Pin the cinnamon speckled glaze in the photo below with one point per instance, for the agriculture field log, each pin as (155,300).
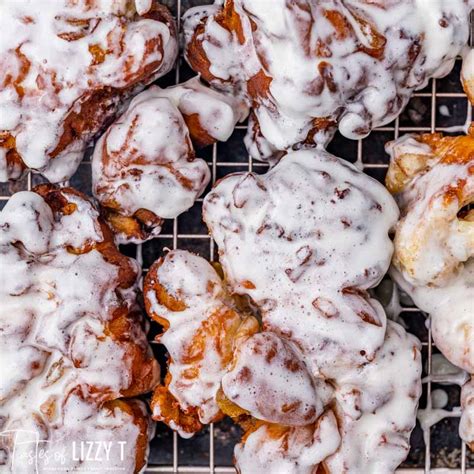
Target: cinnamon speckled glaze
(284,338)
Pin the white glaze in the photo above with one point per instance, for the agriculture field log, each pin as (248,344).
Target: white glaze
(63,74)
(40,449)
(293,239)
(377,406)
(346,74)
(54,339)
(218,113)
(145,160)
(388,294)
(297,450)
(444,372)
(439,398)
(270,381)
(192,280)
(434,249)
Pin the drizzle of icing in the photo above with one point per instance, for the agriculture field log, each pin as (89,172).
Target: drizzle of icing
(466,425)
(68,65)
(307,67)
(388,294)
(185,294)
(144,167)
(71,334)
(444,372)
(439,398)
(431,177)
(431,416)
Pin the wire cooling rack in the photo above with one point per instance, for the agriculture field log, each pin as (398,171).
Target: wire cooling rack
(441,106)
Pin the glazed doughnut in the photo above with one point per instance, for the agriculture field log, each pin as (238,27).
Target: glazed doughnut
(68,66)
(72,339)
(288,450)
(305,242)
(377,407)
(307,67)
(144,167)
(432,179)
(186,296)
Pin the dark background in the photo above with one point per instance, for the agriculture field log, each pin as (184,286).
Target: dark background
(440,105)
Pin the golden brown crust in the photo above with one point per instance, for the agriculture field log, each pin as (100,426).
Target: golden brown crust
(171,413)
(124,323)
(135,410)
(198,134)
(14,163)
(136,227)
(220,328)
(442,149)
(81,113)
(228,19)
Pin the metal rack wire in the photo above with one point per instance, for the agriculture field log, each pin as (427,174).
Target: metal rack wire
(440,107)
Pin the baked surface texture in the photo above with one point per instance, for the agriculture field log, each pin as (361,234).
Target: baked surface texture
(68,65)
(308,68)
(432,179)
(144,167)
(73,340)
